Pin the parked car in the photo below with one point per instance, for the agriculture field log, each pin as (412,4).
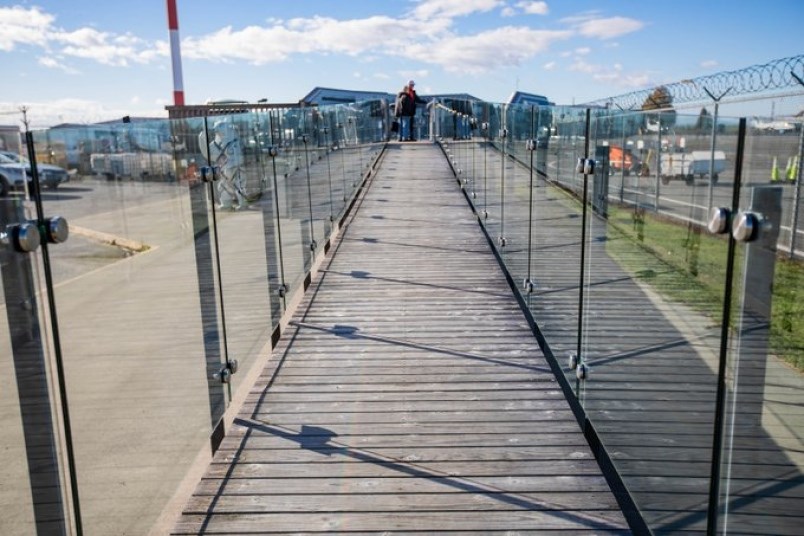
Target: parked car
(15,170)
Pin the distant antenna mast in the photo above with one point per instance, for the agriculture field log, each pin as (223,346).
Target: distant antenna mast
(175,53)
(24,112)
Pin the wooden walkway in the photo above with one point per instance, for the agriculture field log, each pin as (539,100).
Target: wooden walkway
(408,395)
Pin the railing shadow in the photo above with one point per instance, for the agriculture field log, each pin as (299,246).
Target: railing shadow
(351,332)
(323,441)
(366,275)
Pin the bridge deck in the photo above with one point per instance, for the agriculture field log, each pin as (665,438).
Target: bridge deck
(408,394)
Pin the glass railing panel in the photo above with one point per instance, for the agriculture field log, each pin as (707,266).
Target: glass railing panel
(33,456)
(140,335)
(343,180)
(17,517)
(516,196)
(363,133)
(787,169)
(372,113)
(554,231)
(291,209)
(441,120)
(465,147)
(482,161)
(651,380)
(762,468)
(352,149)
(333,160)
(265,146)
(317,176)
(240,224)
(300,225)
(493,216)
(567,141)
(626,154)
(466,132)
(473,170)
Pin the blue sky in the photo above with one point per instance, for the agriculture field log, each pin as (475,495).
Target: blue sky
(88,60)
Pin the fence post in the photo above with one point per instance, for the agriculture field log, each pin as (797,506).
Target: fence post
(712,146)
(797,197)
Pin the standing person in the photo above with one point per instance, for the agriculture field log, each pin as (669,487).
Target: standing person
(409,111)
(399,112)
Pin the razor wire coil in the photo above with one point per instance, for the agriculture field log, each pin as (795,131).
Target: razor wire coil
(785,73)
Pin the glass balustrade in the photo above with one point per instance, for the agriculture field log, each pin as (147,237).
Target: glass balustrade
(187,240)
(648,310)
(656,253)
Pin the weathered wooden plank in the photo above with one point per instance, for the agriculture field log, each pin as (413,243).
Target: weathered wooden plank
(299,430)
(444,502)
(483,418)
(506,452)
(528,397)
(358,463)
(405,437)
(274,407)
(432,522)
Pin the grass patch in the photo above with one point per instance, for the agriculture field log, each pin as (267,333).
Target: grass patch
(688,265)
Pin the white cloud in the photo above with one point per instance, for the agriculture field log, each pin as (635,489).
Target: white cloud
(483,52)
(35,27)
(82,111)
(534,8)
(582,66)
(414,75)
(709,64)
(549,66)
(21,26)
(430,9)
(110,49)
(53,63)
(48,62)
(606,28)
(630,81)
(261,45)
(528,7)
(582,51)
(381,76)
(614,74)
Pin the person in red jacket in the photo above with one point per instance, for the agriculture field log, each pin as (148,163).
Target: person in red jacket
(406,101)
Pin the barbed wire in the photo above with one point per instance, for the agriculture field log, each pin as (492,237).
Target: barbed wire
(785,73)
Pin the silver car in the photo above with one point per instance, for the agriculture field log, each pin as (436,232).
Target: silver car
(15,170)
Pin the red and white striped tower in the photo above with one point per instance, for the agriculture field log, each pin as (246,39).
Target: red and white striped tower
(175,53)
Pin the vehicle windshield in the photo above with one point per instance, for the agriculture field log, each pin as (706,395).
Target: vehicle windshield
(7,157)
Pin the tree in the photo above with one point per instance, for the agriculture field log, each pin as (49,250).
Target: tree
(662,101)
(704,121)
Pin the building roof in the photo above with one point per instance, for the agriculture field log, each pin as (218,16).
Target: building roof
(328,95)
(521,97)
